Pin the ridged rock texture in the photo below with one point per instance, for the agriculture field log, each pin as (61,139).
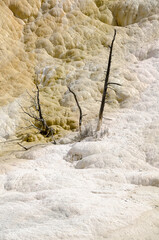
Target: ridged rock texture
(105,186)
(67,44)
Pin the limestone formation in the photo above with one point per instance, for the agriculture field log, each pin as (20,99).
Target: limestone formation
(67,43)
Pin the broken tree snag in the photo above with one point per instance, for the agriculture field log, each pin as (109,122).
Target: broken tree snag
(35,116)
(45,130)
(38,103)
(105,85)
(45,127)
(79,108)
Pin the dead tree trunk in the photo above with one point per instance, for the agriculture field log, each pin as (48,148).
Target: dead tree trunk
(105,85)
(44,127)
(79,108)
(36,119)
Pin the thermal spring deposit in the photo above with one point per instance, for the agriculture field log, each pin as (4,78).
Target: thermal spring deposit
(62,177)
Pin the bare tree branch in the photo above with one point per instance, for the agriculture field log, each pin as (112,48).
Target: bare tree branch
(112,83)
(30,95)
(38,102)
(22,146)
(79,108)
(34,112)
(105,85)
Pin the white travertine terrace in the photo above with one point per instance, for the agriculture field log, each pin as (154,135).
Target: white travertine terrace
(66,42)
(96,189)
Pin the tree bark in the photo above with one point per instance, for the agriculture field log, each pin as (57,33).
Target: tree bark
(80,110)
(105,85)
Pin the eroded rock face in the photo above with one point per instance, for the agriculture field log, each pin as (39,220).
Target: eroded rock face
(130,12)
(23,9)
(15,63)
(67,43)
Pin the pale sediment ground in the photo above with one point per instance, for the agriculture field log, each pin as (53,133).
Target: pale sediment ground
(96,189)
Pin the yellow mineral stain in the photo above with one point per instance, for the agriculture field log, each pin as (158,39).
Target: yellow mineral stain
(67,44)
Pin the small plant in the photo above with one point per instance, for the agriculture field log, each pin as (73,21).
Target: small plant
(87,131)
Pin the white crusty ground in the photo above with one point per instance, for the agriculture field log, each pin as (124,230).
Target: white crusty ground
(100,188)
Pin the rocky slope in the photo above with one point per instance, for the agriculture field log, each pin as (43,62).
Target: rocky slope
(105,186)
(67,43)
